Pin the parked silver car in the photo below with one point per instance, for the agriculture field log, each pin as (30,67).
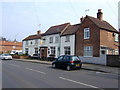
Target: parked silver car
(5,57)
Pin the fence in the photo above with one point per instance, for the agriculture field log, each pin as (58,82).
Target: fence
(113,60)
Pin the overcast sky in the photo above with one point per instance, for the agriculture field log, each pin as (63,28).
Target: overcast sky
(20,19)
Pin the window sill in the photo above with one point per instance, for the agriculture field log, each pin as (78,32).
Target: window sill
(86,38)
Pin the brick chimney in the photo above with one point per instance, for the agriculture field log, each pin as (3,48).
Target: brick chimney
(38,32)
(100,14)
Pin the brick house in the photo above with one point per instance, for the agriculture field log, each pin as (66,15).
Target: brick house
(96,37)
(8,46)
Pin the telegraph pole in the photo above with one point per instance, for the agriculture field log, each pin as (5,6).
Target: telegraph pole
(119,41)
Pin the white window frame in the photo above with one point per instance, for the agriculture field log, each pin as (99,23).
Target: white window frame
(53,50)
(67,50)
(86,33)
(56,39)
(26,50)
(67,38)
(36,50)
(88,51)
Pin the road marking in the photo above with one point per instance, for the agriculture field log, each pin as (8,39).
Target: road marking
(36,71)
(80,83)
(14,65)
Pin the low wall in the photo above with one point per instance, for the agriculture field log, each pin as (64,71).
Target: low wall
(113,60)
(20,57)
(95,60)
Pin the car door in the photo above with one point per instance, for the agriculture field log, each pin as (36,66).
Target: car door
(59,61)
(66,60)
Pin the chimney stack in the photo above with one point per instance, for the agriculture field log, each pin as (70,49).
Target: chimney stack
(81,19)
(38,32)
(100,14)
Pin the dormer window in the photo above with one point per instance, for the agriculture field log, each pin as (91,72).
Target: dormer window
(86,33)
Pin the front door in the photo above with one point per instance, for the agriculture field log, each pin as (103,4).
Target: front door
(43,52)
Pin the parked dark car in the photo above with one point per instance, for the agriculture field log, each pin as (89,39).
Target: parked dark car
(68,62)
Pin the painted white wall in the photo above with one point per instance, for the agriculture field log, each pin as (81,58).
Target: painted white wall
(71,44)
(95,60)
(54,44)
(31,47)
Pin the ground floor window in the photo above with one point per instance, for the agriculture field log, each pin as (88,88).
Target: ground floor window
(26,50)
(52,50)
(36,50)
(88,51)
(67,50)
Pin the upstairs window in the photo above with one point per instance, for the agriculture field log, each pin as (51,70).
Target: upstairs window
(51,40)
(56,39)
(36,41)
(67,39)
(26,42)
(116,37)
(86,33)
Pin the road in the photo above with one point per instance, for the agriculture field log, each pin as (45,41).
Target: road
(17,74)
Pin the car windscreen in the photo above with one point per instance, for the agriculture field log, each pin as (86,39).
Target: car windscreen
(6,54)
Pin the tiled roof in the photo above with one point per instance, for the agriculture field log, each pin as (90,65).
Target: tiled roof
(102,24)
(71,29)
(56,29)
(31,37)
(10,43)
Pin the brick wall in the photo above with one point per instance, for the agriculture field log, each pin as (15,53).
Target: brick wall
(93,41)
(113,60)
(108,39)
(7,46)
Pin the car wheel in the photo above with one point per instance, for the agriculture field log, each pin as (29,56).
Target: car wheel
(53,65)
(68,68)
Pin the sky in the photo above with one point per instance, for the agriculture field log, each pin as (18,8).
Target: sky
(21,18)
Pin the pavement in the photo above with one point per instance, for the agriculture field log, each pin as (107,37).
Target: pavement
(85,66)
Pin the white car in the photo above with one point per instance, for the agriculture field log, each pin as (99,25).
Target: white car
(5,56)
